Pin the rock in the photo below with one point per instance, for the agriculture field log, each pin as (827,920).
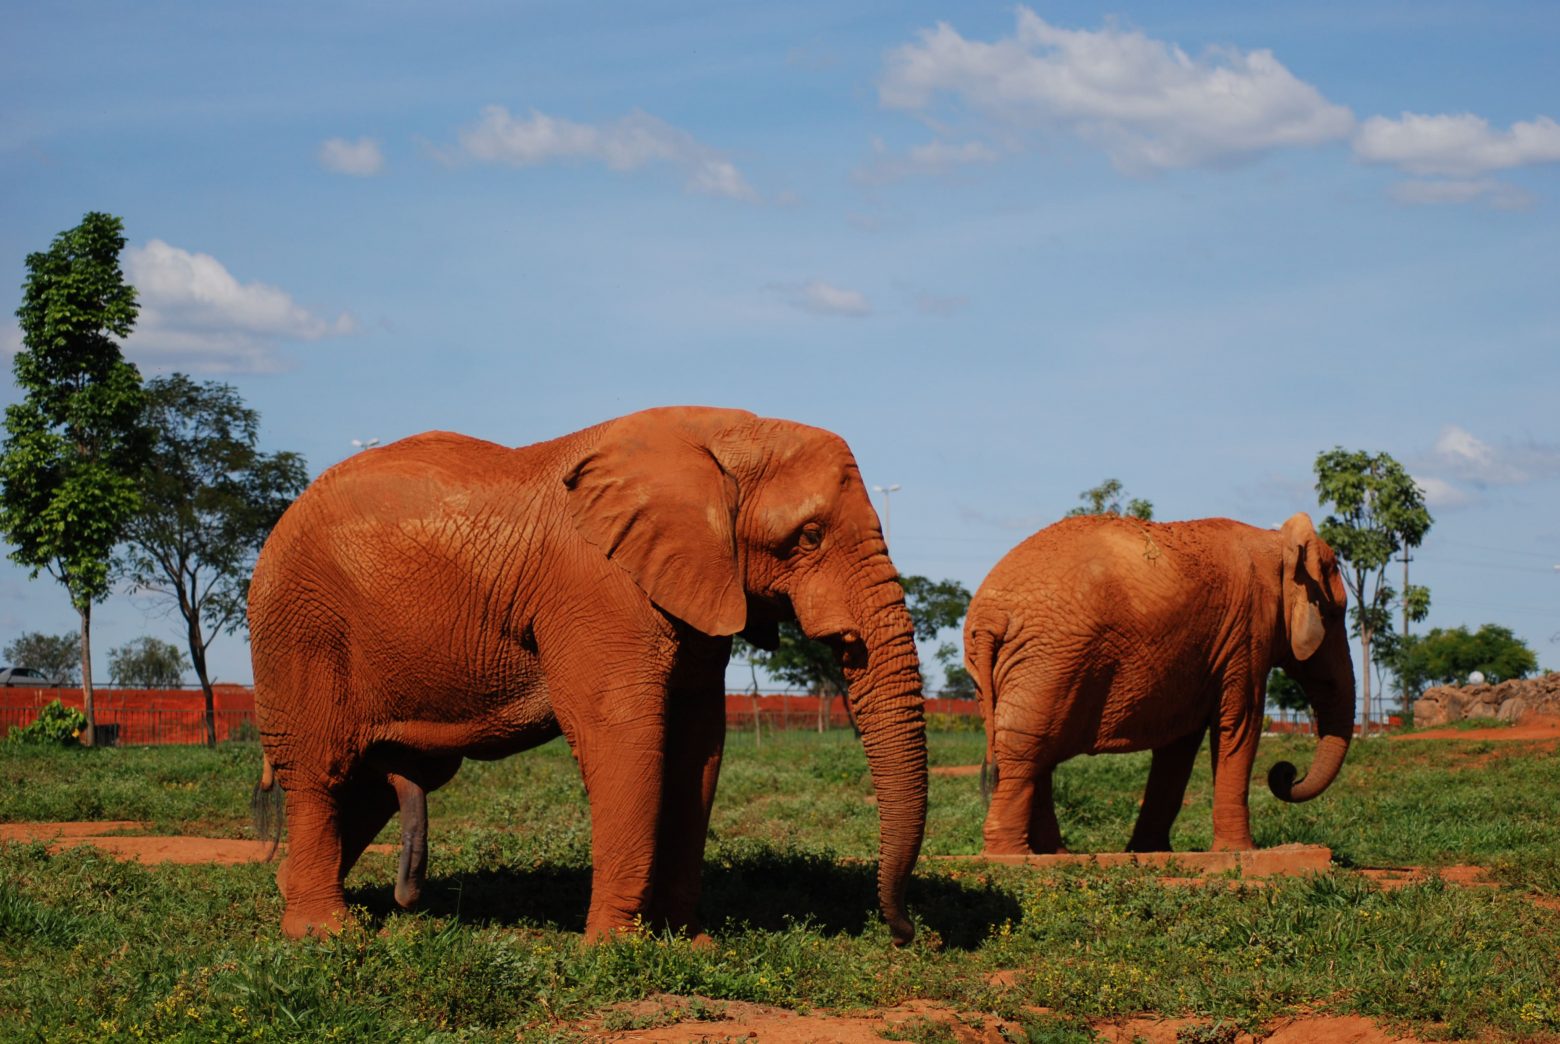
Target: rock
(1506,701)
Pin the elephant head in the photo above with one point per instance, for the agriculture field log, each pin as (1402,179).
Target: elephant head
(731,523)
(1315,653)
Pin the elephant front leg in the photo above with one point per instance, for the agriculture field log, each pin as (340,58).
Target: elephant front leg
(1167,779)
(1234,751)
(622,759)
(695,737)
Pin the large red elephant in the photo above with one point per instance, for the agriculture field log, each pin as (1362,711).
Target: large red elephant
(443,597)
(1103,634)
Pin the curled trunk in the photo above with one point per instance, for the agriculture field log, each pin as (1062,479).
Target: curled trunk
(1334,727)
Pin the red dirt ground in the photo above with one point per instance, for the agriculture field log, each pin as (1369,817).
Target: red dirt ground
(116,838)
(1533,729)
(738,1020)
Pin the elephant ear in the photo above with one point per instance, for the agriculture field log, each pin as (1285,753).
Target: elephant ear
(654,499)
(1304,585)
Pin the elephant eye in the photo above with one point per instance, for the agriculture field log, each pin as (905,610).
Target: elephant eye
(810,537)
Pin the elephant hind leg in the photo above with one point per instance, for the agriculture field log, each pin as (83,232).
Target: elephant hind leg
(1166,789)
(1022,816)
(310,877)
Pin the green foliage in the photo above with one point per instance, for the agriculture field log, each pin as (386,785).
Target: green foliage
(54,654)
(1377,511)
(74,443)
(1447,656)
(56,724)
(1106,499)
(147,663)
(208,498)
(1284,692)
(934,606)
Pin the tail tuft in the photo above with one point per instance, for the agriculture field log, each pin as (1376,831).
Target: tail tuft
(267,806)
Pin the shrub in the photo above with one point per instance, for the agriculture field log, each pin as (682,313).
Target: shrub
(56,723)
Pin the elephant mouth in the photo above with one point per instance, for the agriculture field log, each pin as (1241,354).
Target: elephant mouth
(847,647)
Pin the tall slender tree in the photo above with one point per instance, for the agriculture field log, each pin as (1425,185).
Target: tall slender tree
(74,444)
(208,498)
(1377,511)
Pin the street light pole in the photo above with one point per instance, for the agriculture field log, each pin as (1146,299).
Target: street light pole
(886,490)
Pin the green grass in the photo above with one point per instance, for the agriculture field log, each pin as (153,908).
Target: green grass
(94,949)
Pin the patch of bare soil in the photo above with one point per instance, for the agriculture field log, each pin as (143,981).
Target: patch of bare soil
(1392,877)
(669,1018)
(955,770)
(1528,730)
(113,837)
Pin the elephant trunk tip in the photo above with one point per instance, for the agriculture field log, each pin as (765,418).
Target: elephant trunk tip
(1281,780)
(901,930)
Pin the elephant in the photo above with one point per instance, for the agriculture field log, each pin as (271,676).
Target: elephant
(444,597)
(1104,634)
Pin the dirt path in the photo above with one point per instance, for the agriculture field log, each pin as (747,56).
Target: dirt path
(671,1018)
(119,839)
(1544,730)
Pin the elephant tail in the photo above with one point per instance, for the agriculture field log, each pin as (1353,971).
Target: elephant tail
(982,637)
(266,805)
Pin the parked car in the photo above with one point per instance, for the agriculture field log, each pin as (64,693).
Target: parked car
(29,677)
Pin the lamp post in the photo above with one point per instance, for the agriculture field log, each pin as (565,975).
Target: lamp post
(886,490)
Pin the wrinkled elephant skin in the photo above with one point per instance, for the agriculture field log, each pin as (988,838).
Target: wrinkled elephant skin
(1104,634)
(443,598)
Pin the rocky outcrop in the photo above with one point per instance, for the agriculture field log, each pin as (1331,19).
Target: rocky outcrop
(1508,701)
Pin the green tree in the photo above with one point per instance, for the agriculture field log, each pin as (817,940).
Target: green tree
(1447,656)
(209,498)
(1105,499)
(1285,693)
(74,444)
(147,663)
(1377,511)
(57,655)
(934,606)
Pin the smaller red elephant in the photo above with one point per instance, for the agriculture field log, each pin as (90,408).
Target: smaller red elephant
(1104,634)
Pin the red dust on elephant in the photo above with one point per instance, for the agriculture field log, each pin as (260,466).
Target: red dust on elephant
(444,597)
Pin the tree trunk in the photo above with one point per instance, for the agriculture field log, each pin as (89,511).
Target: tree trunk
(1365,633)
(86,674)
(198,659)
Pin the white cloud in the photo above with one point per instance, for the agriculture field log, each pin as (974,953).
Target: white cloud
(360,158)
(1439,493)
(196,316)
(823,298)
(935,157)
(1461,459)
(634,141)
(1460,146)
(1497,194)
(1147,102)
(10,341)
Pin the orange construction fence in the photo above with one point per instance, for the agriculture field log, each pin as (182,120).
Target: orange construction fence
(138,717)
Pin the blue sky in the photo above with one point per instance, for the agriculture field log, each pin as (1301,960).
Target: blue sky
(1007,252)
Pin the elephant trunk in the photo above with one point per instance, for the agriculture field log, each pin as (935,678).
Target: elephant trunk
(885,692)
(1335,727)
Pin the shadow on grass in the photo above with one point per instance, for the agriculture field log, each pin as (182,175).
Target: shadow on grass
(769,892)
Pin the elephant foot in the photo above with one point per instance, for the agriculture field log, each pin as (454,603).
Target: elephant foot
(1155,843)
(300,924)
(1234,844)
